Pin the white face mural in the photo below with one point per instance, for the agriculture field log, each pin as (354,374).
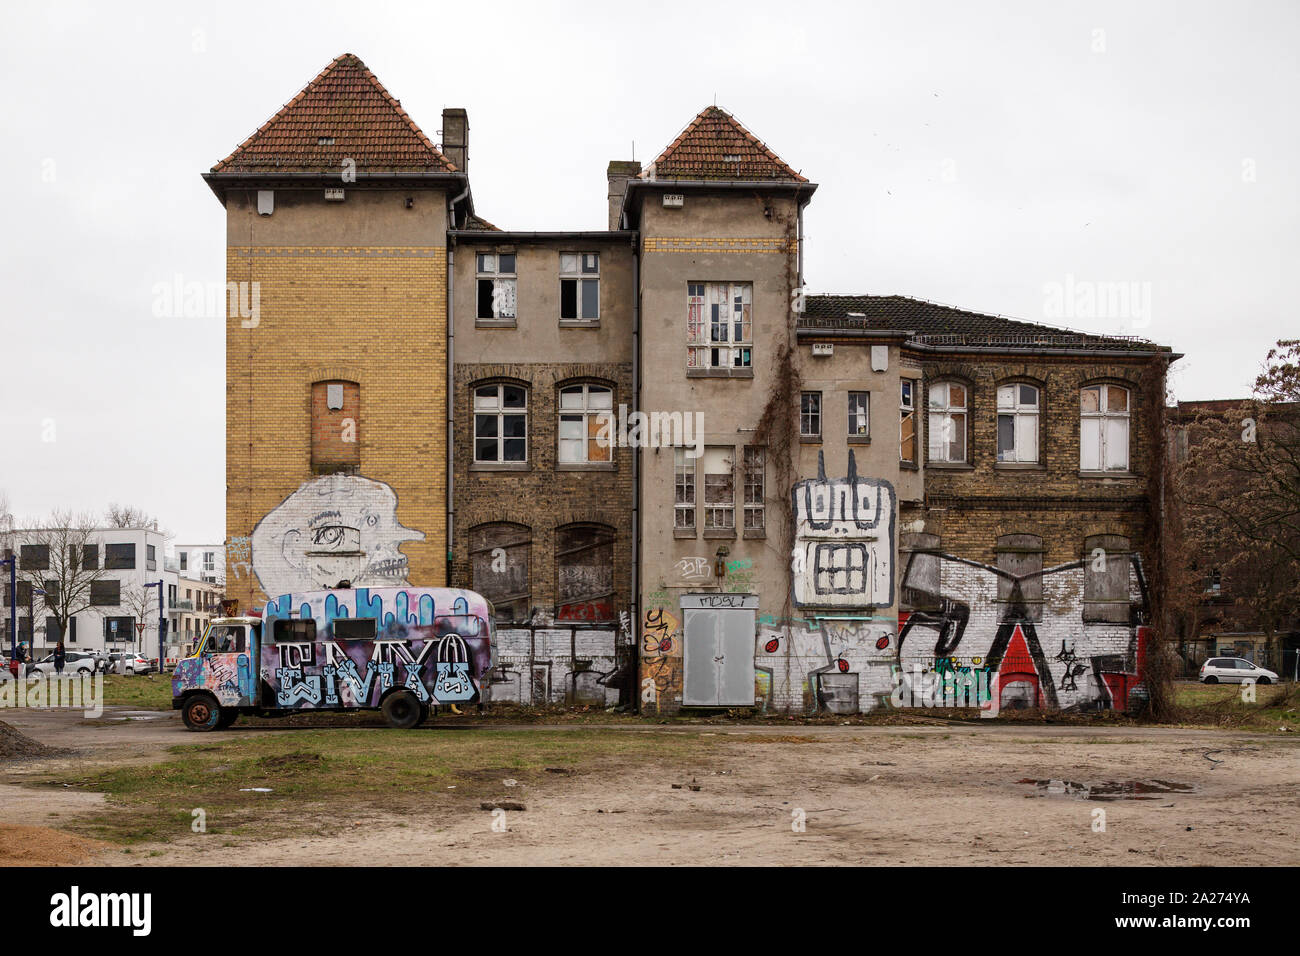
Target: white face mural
(333,528)
(844,540)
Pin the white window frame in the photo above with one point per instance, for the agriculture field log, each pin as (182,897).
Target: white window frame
(684,477)
(505,286)
(585,413)
(1111,438)
(807,417)
(941,426)
(719,513)
(719,325)
(754,479)
(574,267)
(485,406)
(1024,422)
(859,419)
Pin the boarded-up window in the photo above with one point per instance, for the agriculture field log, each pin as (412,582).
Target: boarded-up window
(499,559)
(335,427)
(1020,592)
(1106,578)
(584,573)
(586,424)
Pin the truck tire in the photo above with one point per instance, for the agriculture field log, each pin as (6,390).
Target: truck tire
(402,710)
(201,712)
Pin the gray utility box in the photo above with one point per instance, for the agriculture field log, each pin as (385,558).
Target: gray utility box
(718,649)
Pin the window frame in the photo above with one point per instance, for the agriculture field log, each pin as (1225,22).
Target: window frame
(907,412)
(494,275)
(500,413)
(805,414)
(588,414)
(579,278)
(684,485)
(858,436)
(1018,411)
(945,412)
(1104,416)
(722,509)
(704,320)
(754,492)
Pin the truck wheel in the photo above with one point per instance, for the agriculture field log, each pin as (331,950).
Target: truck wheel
(201,712)
(402,710)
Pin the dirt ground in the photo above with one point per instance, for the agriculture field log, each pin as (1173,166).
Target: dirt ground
(983,794)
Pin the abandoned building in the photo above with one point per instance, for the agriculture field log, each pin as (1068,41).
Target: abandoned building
(682,480)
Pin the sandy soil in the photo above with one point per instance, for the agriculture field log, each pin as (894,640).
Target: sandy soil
(874,795)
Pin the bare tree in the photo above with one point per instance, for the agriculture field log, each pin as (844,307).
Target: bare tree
(54,565)
(129,516)
(1239,491)
(142,603)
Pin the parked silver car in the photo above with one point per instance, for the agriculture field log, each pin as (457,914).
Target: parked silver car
(1234,670)
(75,662)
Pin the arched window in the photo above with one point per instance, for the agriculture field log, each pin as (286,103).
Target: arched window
(1103,428)
(499,560)
(500,423)
(584,573)
(1018,423)
(584,411)
(947,422)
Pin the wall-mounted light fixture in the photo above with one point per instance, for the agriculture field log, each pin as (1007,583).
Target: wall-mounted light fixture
(720,562)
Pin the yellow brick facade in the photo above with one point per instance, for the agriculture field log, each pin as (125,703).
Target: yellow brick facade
(375,315)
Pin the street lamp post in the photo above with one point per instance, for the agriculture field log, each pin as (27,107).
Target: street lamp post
(162,625)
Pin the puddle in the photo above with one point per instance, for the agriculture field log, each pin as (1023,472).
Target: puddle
(1111,789)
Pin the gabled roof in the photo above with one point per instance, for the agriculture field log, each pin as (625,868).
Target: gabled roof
(931,324)
(344,113)
(715,146)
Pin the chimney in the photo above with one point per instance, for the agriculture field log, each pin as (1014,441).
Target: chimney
(618,173)
(455,138)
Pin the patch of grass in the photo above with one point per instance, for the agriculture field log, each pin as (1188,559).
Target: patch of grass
(139,691)
(324,775)
(1276,706)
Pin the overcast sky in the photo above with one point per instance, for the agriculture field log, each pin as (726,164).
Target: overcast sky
(986,155)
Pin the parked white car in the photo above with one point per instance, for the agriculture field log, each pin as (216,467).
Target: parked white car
(129,664)
(1234,670)
(76,662)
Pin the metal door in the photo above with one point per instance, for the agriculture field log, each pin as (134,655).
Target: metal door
(718,650)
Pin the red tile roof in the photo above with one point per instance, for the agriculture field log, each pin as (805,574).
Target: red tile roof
(344,113)
(716,146)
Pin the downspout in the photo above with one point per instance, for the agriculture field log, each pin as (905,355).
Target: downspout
(451,384)
(636,473)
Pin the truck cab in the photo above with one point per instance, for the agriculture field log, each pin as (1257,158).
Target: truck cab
(222,671)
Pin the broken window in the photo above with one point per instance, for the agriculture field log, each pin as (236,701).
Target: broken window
(684,498)
(719,488)
(497,286)
(1106,578)
(947,422)
(579,286)
(755,475)
(810,415)
(1020,590)
(860,414)
(586,424)
(921,574)
(1017,423)
(335,423)
(584,572)
(719,325)
(500,423)
(1103,428)
(907,422)
(499,560)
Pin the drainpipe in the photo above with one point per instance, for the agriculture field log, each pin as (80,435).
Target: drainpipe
(636,472)
(451,383)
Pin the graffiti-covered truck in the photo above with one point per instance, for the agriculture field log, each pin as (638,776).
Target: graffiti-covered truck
(399,650)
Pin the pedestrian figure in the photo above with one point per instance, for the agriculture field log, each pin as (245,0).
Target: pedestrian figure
(60,655)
